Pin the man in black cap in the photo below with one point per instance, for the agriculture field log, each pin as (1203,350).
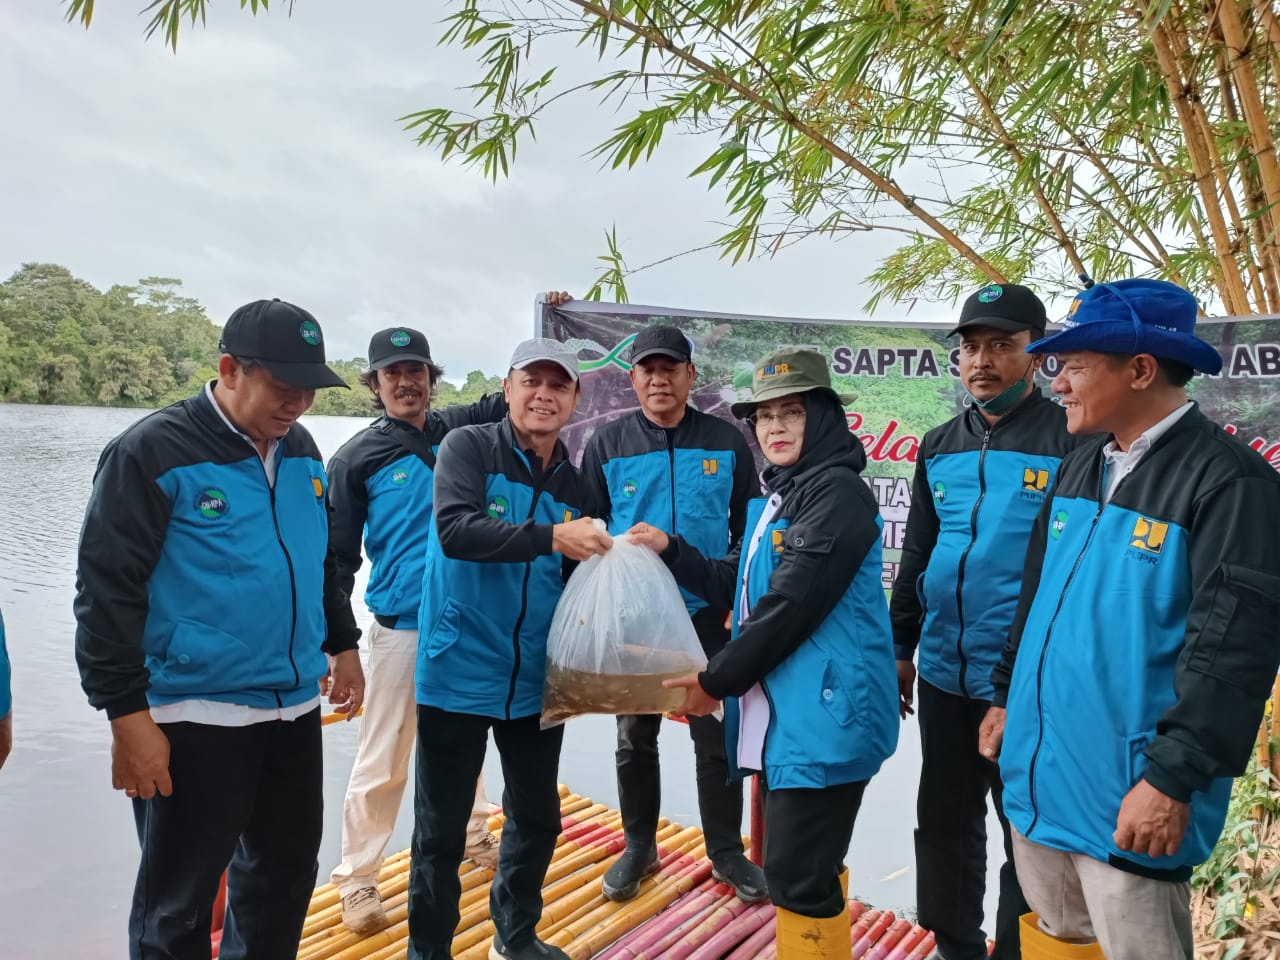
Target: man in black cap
(209,619)
(380,491)
(980,478)
(672,466)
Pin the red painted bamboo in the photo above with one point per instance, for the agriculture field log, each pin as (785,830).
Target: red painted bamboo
(734,932)
(754,944)
(712,922)
(908,943)
(876,931)
(923,948)
(880,950)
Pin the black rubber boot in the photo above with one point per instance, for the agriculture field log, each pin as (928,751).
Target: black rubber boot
(639,796)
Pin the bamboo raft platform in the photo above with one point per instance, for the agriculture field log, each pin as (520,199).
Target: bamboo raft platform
(681,913)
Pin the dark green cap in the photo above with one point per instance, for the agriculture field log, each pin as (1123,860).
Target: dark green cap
(785,372)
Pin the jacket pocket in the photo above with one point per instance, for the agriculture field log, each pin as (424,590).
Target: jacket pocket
(1243,608)
(838,693)
(444,632)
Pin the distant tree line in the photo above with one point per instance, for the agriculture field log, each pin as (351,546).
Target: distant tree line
(63,341)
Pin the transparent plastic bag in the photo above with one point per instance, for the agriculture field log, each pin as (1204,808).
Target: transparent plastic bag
(621,628)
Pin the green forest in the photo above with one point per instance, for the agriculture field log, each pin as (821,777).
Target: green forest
(63,341)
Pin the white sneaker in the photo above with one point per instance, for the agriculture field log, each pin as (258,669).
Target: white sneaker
(484,851)
(362,911)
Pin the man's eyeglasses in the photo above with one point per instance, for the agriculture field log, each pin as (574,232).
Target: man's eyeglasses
(787,418)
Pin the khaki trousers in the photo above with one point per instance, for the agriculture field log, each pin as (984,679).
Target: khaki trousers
(381,771)
(1080,899)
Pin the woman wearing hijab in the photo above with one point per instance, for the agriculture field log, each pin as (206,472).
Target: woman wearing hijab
(808,679)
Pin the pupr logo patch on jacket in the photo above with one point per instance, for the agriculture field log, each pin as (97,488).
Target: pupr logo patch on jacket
(317,485)
(776,541)
(1035,481)
(1148,538)
(710,466)
(212,503)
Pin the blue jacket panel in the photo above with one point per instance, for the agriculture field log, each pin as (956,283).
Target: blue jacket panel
(6,691)
(975,495)
(395,537)
(229,530)
(986,504)
(693,480)
(197,579)
(491,581)
(834,700)
(381,493)
(1144,644)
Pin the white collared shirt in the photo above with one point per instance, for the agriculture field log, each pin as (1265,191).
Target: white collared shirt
(1120,463)
(214,712)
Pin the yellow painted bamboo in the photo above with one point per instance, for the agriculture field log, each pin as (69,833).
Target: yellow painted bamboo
(1275,734)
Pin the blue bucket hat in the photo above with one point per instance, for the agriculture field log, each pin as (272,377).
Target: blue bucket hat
(1131,317)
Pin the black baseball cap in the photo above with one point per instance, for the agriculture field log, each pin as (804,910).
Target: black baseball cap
(395,344)
(667,341)
(283,338)
(1005,306)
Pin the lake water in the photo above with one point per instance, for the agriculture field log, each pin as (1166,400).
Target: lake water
(67,842)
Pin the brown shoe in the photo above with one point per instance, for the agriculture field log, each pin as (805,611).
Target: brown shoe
(484,851)
(362,911)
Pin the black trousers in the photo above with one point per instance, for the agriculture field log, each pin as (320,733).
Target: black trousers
(640,785)
(806,838)
(951,841)
(247,800)
(451,750)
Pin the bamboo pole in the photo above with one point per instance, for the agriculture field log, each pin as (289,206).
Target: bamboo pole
(1275,734)
(1263,144)
(1253,196)
(1180,92)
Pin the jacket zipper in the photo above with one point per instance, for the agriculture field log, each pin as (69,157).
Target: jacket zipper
(524,595)
(293,587)
(964,557)
(671,472)
(1044,650)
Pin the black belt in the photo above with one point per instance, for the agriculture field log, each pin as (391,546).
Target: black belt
(388,622)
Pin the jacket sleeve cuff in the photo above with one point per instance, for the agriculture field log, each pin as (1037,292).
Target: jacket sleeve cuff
(708,684)
(1000,697)
(133,703)
(904,651)
(335,645)
(543,538)
(1167,784)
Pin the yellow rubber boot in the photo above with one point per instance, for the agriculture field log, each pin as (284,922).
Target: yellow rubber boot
(1038,945)
(844,884)
(814,938)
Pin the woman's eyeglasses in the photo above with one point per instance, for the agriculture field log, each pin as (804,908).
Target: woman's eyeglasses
(787,418)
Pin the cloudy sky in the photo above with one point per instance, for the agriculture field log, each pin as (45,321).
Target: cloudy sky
(264,159)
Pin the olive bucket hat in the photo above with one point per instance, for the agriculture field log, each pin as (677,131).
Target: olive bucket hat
(785,372)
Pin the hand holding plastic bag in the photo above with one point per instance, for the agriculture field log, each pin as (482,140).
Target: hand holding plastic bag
(621,628)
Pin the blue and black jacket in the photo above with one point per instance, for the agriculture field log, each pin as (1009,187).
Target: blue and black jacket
(817,638)
(6,690)
(694,479)
(380,490)
(1145,643)
(199,580)
(492,581)
(974,498)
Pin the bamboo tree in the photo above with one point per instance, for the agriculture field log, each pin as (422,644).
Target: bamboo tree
(988,138)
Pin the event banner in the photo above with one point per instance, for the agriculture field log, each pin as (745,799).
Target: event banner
(905,378)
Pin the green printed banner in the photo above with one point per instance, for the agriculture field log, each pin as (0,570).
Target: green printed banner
(905,379)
